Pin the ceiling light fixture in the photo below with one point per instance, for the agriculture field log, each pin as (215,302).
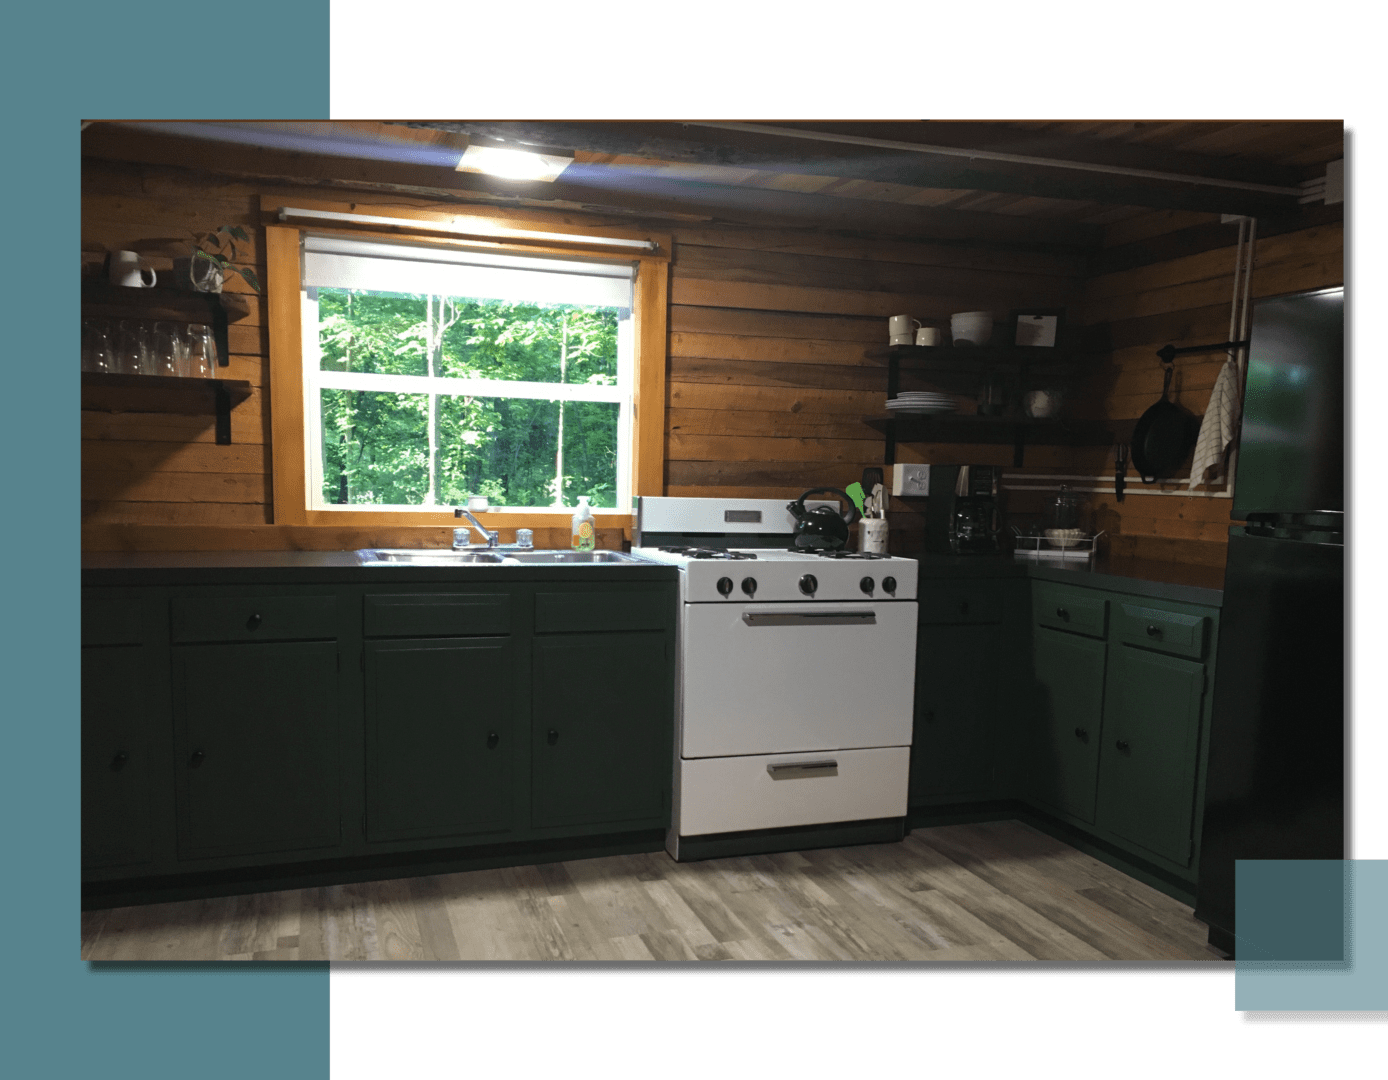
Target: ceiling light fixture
(510,163)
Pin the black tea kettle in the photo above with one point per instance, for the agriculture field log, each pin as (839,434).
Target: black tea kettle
(823,528)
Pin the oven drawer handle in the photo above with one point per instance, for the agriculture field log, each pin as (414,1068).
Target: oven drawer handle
(814,618)
(792,770)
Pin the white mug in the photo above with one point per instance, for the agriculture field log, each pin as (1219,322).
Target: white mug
(872,536)
(128,269)
(928,335)
(901,339)
(898,325)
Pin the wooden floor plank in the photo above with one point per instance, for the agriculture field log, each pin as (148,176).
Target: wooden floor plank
(988,892)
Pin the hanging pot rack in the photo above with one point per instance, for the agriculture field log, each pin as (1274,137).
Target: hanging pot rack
(1168,353)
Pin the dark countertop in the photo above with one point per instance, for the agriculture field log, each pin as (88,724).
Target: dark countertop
(1185,582)
(118,568)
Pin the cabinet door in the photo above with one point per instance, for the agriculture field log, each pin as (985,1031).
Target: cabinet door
(256,748)
(602,729)
(1148,760)
(1069,672)
(439,737)
(956,710)
(115,757)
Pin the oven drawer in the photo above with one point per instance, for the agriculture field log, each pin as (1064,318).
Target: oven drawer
(774,791)
(791,678)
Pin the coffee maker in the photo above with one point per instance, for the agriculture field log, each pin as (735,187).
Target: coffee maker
(963,515)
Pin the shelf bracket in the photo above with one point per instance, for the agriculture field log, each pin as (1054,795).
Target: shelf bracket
(1018,447)
(223,401)
(889,451)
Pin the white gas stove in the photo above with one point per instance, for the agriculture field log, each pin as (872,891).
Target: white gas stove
(796,679)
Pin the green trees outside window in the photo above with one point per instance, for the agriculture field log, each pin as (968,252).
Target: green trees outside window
(411,412)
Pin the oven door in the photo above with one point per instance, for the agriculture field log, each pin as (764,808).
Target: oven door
(781,678)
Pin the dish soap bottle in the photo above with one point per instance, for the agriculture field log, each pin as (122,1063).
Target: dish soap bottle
(584,531)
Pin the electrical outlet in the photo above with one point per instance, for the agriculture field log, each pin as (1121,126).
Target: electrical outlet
(910,479)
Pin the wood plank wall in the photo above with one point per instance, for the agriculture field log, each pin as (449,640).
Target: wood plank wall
(1182,300)
(767,377)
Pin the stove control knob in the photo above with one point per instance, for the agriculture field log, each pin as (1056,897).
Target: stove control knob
(889,585)
(808,584)
(725,585)
(749,586)
(866,585)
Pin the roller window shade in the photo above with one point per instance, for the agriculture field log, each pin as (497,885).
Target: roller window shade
(343,263)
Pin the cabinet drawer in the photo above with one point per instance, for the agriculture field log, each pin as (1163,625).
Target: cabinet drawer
(978,602)
(1162,630)
(438,615)
(1077,610)
(576,612)
(110,620)
(254,618)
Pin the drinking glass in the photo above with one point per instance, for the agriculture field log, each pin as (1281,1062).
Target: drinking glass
(170,350)
(133,348)
(97,352)
(202,353)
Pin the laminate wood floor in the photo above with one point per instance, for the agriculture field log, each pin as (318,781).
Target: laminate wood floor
(994,891)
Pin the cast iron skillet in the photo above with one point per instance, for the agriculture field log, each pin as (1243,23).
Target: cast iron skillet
(1162,438)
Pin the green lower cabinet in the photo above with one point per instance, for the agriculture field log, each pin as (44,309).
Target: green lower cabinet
(1148,759)
(257,748)
(1069,688)
(601,730)
(440,737)
(956,709)
(116,767)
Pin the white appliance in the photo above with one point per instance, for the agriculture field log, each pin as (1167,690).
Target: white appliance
(795,676)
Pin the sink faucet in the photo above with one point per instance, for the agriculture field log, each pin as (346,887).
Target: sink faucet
(460,535)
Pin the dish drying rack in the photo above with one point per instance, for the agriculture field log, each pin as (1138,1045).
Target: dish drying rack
(1037,548)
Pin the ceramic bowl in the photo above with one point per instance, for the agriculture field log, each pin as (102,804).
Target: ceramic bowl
(971,327)
(1064,538)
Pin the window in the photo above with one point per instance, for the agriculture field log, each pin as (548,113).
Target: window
(431,375)
(408,373)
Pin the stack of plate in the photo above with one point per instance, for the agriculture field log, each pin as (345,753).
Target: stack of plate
(920,402)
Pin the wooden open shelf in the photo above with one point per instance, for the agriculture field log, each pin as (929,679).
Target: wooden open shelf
(102,300)
(166,394)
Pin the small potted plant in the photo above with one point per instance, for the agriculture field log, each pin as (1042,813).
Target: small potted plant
(214,256)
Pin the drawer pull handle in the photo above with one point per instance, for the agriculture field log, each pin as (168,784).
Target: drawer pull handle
(195,759)
(253,623)
(1154,631)
(793,770)
(964,608)
(1122,744)
(118,762)
(1082,734)
(492,739)
(1062,613)
(552,737)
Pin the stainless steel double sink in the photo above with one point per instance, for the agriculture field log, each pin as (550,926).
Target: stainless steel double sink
(491,557)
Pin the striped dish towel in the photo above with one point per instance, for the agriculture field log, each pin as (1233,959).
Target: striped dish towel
(1218,428)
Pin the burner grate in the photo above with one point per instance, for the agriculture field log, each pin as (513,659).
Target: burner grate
(708,553)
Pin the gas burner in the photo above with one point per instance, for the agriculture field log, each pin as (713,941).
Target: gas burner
(824,553)
(708,553)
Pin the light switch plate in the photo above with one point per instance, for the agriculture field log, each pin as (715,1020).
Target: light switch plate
(910,479)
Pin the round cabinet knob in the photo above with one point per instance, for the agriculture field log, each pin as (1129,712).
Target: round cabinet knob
(1122,744)
(118,762)
(1154,631)
(749,586)
(808,584)
(866,585)
(725,585)
(253,623)
(1082,734)
(195,759)
(1061,613)
(492,739)
(552,737)
(889,586)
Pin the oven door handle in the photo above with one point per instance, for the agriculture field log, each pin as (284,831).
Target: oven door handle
(790,770)
(809,618)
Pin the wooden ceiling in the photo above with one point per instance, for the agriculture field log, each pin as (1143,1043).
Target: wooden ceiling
(1037,183)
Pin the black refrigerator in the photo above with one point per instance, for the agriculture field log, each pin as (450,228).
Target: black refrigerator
(1275,786)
